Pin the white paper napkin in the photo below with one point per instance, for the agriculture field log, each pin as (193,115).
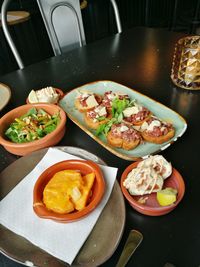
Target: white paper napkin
(60,240)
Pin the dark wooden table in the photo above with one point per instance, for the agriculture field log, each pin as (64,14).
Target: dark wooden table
(141,59)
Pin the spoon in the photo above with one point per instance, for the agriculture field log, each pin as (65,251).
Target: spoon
(133,241)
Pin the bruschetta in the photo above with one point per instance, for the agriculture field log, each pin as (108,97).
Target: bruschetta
(97,116)
(136,114)
(123,136)
(156,131)
(87,100)
(109,96)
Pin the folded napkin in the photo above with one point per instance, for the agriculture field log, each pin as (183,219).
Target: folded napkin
(62,240)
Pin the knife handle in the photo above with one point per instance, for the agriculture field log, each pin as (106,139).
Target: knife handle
(132,242)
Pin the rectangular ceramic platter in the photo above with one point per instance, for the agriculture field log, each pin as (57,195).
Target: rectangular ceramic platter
(158,109)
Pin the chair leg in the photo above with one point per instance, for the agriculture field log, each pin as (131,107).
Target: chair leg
(117,17)
(7,34)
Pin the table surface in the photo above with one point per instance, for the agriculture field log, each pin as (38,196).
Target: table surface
(139,58)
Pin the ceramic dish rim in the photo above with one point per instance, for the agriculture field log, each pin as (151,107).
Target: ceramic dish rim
(154,211)
(107,146)
(43,212)
(9,95)
(62,123)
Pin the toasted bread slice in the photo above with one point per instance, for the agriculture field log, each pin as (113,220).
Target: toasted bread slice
(91,104)
(130,145)
(121,143)
(81,108)
(91,123)
(138,123)
(158,139)
(136,115)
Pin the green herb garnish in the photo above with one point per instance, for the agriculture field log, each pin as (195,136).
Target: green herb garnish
(118,105)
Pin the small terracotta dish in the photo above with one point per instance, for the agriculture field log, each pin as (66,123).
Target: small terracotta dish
(58,91)
(85,167)
(50,139)
(151,206)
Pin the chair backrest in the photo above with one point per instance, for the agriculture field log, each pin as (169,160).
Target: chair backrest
(63,23)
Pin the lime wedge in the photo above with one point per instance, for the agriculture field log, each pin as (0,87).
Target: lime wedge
(32,97)
(166,196)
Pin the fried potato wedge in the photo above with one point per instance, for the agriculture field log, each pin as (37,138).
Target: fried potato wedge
(67,191)
(85,191)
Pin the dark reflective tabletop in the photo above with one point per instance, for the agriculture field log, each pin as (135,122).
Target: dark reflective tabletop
(139,58)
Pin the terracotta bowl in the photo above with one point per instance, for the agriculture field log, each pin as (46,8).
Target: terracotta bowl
(151,206)
(85,167)
(50,139)
(58,91)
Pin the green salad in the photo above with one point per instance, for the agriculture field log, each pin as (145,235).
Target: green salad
(118,105)
(33,125)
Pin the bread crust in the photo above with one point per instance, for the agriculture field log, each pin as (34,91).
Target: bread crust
(139,123)
(120,143)
(81,108)
(158,139)
(78,105)
(91,123)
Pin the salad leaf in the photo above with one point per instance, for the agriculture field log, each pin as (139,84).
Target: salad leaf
(32,111)
(101,118)
(100,129)
(33,125)
(105,128)
(49,128)
(118,106)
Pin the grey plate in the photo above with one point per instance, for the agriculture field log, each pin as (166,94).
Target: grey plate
(5,95)
(97,248)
